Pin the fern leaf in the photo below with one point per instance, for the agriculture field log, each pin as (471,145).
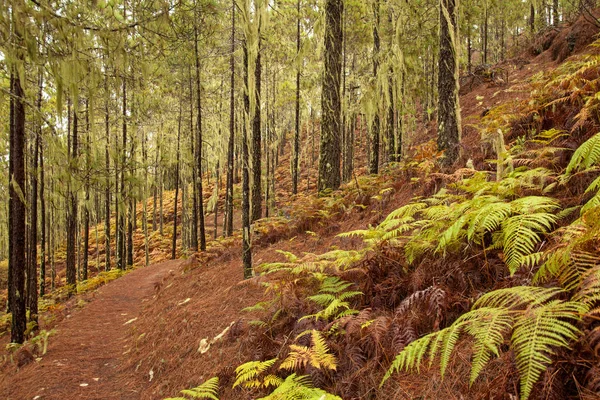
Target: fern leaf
(208,390)
(521,234)
(586,156)
(516,296)
(299,388)
(298,358)
(248,372)
(488,329)
(535,336)
(322,359)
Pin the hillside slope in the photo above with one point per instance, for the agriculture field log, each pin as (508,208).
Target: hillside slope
(422,248)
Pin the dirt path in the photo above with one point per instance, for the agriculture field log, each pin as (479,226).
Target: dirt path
(84,355)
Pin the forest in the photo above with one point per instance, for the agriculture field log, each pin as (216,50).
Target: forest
(300,199)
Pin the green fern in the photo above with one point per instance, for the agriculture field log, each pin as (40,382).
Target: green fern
(299,388)
(586,156)
(538,324)
(333,298)
(248,374)
(317,356)
(537,333)
(208,390)
(521,235)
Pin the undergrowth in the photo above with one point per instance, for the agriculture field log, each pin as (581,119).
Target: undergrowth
(501,264)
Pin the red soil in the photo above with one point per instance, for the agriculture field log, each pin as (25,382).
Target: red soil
(89,345)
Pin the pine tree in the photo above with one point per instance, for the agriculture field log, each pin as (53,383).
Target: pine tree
(449,124)
(329,159)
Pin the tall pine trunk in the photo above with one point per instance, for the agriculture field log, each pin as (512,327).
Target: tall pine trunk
(199,146)
(376,127)
(448,104)
(86,208)
(256,140)
(329,160)
(17,212)
(72,208)
(42,223)
(177,161)
(107,232)
(228,231)
(246,246)
(194,222)
(297,131)
(121,262)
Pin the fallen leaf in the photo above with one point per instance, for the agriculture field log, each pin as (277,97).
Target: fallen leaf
(184,301)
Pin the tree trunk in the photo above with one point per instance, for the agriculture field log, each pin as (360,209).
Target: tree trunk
(555,16)
(199,146)
(32,283)
(131,220)
(329,160)
(174,246)
(391,111)
(228,231)
(194,222)
(256,141)
(86,209)
(17,213)
(121,262)
(246,246)
(72,209)
(485,34)
(448,104)
(297,132)
(107,166)
(42,223)
(532,17)
(11,197)
(376,127)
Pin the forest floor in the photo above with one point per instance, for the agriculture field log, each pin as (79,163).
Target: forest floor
(85,354)
(174,324)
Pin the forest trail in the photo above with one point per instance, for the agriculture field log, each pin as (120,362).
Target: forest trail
(85,354)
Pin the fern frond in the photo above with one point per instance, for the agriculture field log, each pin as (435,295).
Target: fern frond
(317,356)
(291,257)
(208,390)
(589,290)
(516,296)
(247,374)
(489,330)
(521,234)
(586,156)
(299,388)
(535,336)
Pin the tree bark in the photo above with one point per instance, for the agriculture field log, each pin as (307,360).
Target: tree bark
(42,223)
(329,159)
(121,262)
(199,147)
(32,282)
(86,209)
(448,104)
(194,222)
(297,131)
(246,245)
(228,231)
(72,209)
(376,127)
(532,17)
(174,246)
(256,141)
(17,213)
